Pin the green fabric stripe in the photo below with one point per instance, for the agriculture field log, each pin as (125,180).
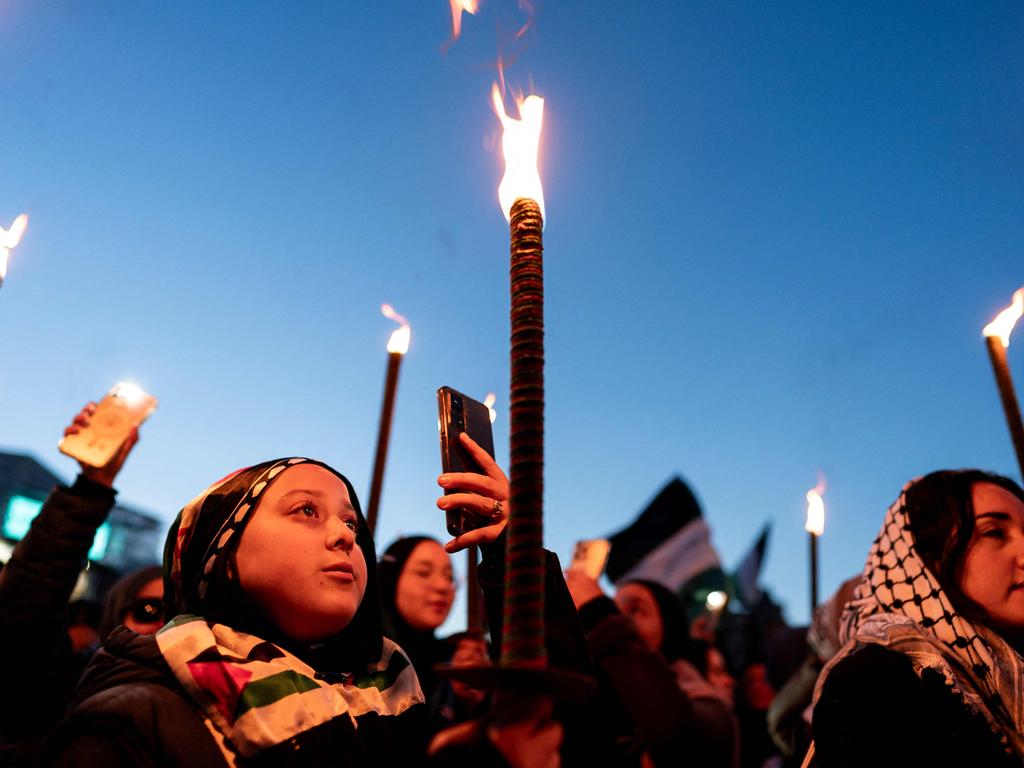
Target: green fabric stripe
(384,679)
(270,689)
(181,618)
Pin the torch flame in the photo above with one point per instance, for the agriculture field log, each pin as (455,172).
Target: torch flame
(520,141)
(399,340)
(489,402)
(1002,326)
(458,6)
(9,238)
(816,510)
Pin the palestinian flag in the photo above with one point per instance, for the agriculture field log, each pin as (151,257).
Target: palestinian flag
(670,543)
(747,577)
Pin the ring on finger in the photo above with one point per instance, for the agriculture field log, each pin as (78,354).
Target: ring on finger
(498,508)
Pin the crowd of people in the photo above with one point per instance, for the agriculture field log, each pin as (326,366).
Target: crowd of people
(272,634)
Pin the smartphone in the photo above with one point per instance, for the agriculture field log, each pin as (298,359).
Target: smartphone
(122,409)
(591,557)
(458,413)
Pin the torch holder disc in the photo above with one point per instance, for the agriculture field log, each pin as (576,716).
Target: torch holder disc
(560,684)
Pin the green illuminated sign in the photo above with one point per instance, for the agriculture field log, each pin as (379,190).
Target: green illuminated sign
(22,510)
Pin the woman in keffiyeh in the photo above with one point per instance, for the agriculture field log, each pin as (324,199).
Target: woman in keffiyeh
(275,653)
(930,672)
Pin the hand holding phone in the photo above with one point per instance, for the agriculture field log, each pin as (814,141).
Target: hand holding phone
(476,490)
(591,556)
(101,435)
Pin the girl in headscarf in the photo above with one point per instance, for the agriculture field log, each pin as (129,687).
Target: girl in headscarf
(417,589)
(274,653)
(930,672)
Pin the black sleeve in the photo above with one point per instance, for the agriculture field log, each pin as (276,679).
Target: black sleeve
(641,679)
(35,586)
(109,749)
(144,724)
(564,640)
(38,580)
(875,710)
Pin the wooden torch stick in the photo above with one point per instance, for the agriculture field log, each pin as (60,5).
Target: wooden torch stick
(523,617)
(383,436)
(475,619)
(1001,369)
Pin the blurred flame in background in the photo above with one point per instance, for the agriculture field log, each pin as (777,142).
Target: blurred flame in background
(399,340)
(816,509)
(9,238)
(458,7)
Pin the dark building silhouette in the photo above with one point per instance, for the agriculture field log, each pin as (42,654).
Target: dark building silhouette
(129,539)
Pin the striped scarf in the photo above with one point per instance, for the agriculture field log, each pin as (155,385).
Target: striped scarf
(255,694)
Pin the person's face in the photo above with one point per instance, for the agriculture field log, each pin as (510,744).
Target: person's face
(993,569)
(637,602)
(146,614)
(425,589)
(298,559)
(718,675)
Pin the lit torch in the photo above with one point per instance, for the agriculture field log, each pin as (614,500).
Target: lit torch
(398,345)
(522,201)
(815,526)
(523,666)
(9,238)
(997,339)
(458,6)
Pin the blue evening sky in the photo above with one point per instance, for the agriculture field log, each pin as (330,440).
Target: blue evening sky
(775,230)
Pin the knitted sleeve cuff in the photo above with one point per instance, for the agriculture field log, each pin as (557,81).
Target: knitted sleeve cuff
(90,489)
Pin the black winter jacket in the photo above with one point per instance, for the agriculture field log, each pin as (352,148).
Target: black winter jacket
(130,710)
(875,710)
(40,670)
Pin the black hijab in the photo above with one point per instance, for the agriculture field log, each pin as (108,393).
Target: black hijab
(422,646)
(197,580)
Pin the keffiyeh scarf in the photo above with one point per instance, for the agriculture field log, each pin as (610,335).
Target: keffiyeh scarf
(900,605)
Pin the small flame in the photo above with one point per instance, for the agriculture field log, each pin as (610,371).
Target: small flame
(9,238)
(520,142)
(489,402)
(399,341)
(816,509)
(458,6)
(1002,326)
